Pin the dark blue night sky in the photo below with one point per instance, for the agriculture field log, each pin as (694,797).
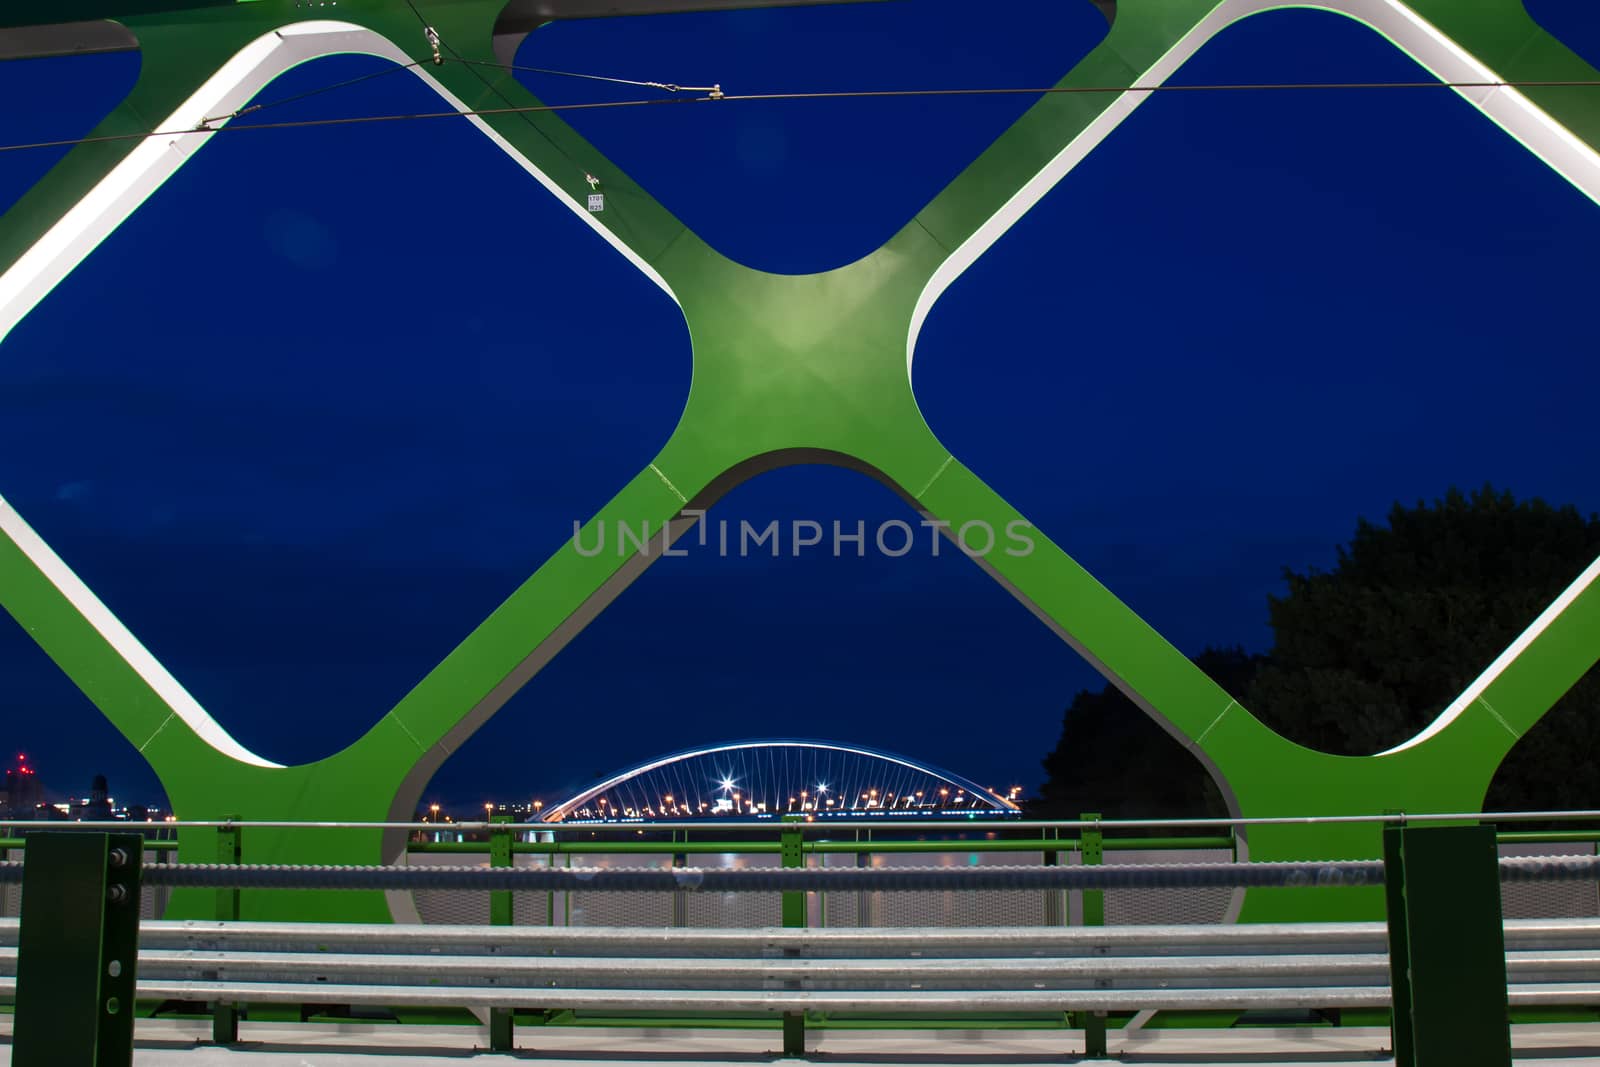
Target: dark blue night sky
(333,393)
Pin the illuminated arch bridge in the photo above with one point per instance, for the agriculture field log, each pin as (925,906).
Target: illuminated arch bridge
(773,778)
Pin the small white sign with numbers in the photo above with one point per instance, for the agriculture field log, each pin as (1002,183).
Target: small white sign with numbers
(597,201)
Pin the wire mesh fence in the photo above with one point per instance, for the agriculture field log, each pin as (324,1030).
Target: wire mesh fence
(1129,907)
(1547,900)
(987,907)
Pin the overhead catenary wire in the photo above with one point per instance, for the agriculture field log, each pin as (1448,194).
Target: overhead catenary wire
(347,83)
(670,87)
(849,94)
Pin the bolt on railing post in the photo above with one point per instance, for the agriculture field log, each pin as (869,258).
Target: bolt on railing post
(230,850)
(77,950)
(1447,953)
(1092,845)
(792,854)
(502,1021)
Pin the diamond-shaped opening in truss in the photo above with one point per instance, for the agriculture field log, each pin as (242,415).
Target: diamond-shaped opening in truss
(918,654)
(804,185)
(326,399)
(1575,23)
(66,96)
(921,653)
(1249,319)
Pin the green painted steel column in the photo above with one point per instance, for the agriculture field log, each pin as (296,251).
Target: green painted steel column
(792,854)
(1093,853)
(230,850)
(502,1021)
(77,950)
(1447,956)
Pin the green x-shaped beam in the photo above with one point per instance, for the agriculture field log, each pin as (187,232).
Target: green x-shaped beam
(787,369)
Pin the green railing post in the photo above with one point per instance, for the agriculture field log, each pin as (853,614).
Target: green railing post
(230,850)
(77,950)
(550,897)
(8,892)
(792,854)
(1055,900)
(502,1021)
(1447,955)
(680,897)
(1093,853)
(866,902)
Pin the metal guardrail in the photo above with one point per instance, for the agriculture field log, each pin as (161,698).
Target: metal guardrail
(1447,972)
(1276,966)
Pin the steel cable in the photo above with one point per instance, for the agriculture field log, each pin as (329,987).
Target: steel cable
(720,97)
(813,879)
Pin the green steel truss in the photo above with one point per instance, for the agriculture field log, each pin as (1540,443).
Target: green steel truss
(787,369)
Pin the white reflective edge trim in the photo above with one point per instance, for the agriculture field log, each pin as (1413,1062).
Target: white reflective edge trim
(1475,691)
(677,757)
(89,222)
(1507,108)
(135,655)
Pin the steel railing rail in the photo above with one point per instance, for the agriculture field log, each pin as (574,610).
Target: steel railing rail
(502,942)
(1287,965)
(724,1002)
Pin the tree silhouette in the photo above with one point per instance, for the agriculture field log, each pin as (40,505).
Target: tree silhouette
(1370,652)
(1365,655)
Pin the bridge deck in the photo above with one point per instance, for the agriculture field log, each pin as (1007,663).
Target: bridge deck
(172,1042)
